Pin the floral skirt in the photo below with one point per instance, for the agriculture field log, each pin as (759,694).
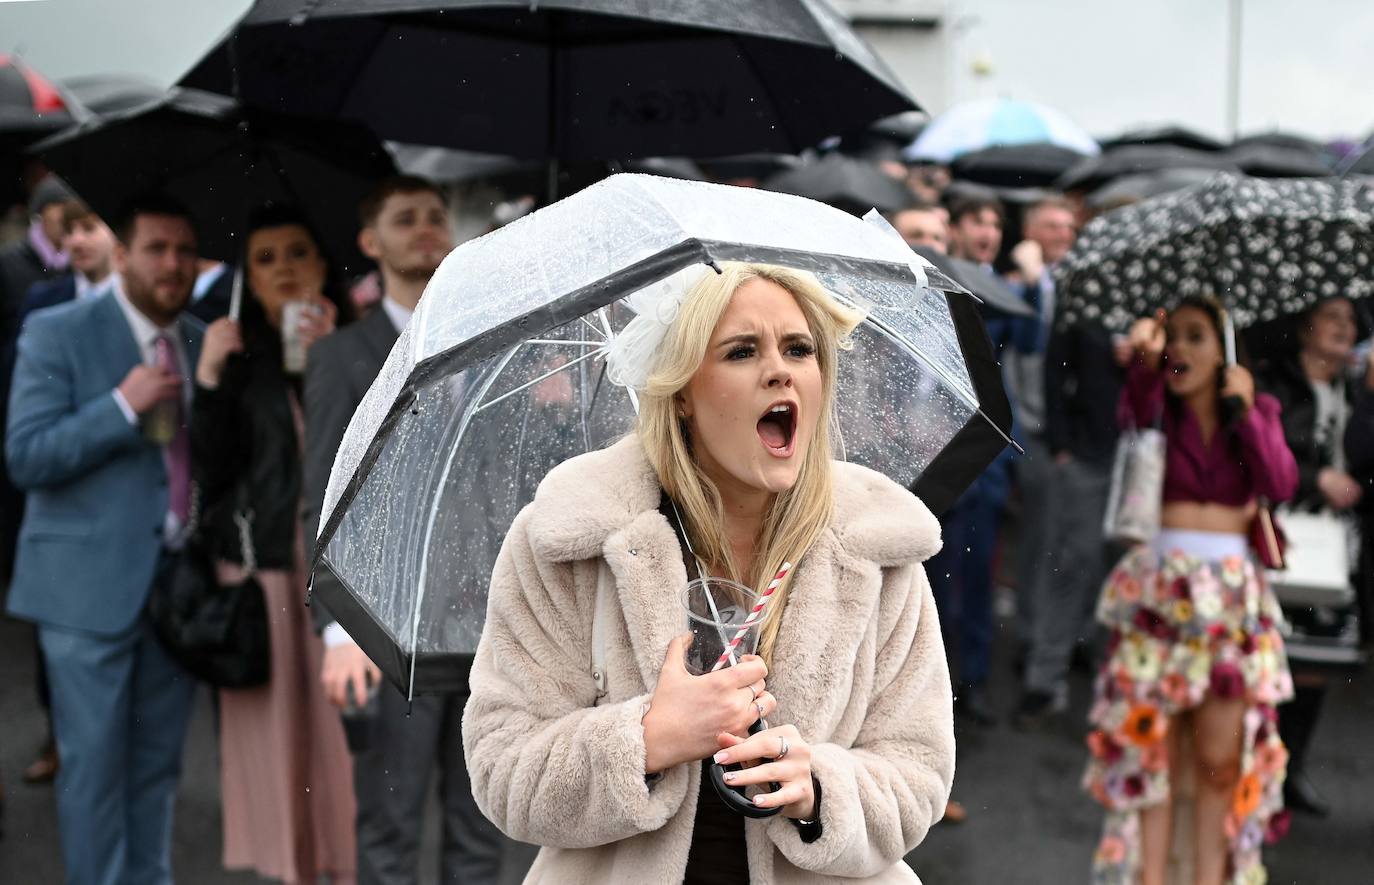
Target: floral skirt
(1183,626)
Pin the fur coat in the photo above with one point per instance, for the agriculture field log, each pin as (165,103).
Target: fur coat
(858,668)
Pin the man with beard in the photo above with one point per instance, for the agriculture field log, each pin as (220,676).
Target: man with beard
(406,230)
(98,438)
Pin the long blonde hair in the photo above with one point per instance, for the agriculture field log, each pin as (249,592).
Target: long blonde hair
(796,517)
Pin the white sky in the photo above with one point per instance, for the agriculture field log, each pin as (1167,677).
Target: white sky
(1307,65)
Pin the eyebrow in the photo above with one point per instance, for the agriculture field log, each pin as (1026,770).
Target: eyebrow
(751,338)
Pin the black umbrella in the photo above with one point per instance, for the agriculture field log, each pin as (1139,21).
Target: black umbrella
(1178,136)
(845,183)
(1266,247)
(1016,165)
(1134,188)
(111,93)
(1274,161)
(991,289)
(1094,172)
(747,168)
(222,161)
(30,105)
(1286,140)
(1361,163)
(562,80)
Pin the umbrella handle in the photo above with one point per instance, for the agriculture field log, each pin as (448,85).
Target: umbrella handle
(735,797)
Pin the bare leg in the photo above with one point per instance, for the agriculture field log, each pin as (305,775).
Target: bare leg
(1220,728)
(1156,823)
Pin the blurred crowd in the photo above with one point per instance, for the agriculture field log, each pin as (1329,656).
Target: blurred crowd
(108,322)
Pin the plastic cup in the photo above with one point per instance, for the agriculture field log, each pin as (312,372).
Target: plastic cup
(292,345)
(716,610)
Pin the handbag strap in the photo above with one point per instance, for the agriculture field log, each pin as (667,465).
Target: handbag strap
(243,519)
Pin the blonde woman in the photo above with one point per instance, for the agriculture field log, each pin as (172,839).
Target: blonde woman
(737,386)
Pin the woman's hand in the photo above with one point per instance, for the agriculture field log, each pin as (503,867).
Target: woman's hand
(1147,339)
(687,713)
(1238,382)
(1339,488)
(317,323)
(222,337)
(792,773)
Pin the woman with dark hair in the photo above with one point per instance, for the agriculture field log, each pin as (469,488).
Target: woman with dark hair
(1319,403)
(1185,702)
(285,768)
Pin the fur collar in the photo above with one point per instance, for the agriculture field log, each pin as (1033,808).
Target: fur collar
(585,500)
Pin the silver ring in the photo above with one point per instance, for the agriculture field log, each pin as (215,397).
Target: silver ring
(782,753)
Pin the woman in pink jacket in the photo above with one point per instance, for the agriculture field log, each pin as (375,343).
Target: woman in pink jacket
(1185,701)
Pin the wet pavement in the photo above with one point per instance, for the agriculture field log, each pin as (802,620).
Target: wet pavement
(1028,822)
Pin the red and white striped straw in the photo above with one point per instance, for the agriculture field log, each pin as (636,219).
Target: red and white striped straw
(753,615)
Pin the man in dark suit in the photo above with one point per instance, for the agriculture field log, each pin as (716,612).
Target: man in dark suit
(36,257)
(406,230)
(89,244)
(107,501)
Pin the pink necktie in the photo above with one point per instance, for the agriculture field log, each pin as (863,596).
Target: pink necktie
(177,453)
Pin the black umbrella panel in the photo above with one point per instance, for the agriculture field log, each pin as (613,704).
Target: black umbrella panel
(562,80)
(222,162)
(1131,159)
(1265,247)
(854,186)
(1015,165)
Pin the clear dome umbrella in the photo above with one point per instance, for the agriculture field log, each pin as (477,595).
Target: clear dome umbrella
(501,375)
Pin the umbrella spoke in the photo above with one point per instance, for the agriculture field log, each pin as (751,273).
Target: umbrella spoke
(549,374)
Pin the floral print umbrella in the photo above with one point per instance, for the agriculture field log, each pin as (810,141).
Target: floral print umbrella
(1266,248)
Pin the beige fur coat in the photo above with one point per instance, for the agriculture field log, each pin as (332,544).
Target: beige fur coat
(859,670)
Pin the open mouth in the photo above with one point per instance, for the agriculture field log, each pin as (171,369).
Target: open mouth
(1177,368)
(777,428)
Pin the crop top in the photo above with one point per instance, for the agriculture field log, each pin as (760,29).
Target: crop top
(1248,459)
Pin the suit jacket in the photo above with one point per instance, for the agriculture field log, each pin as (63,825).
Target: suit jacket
(215,302)
(48,293)
(97,490)
(341,368)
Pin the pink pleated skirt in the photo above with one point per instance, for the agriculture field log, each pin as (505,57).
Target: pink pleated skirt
(287,776)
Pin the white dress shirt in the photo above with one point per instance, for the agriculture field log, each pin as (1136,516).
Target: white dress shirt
(87,289)
(398,313)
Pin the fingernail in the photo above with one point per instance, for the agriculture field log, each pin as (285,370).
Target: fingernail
(729,777)
(721,757)
(758,800)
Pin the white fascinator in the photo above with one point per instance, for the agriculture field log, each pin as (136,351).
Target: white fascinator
(633,354)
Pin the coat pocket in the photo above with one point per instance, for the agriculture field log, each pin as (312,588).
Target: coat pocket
(56,527)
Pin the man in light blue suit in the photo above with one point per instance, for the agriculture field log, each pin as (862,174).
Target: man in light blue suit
(97,437)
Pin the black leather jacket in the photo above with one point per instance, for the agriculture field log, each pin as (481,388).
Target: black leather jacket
(246,453)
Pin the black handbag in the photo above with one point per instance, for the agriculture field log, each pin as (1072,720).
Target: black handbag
(217,632)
